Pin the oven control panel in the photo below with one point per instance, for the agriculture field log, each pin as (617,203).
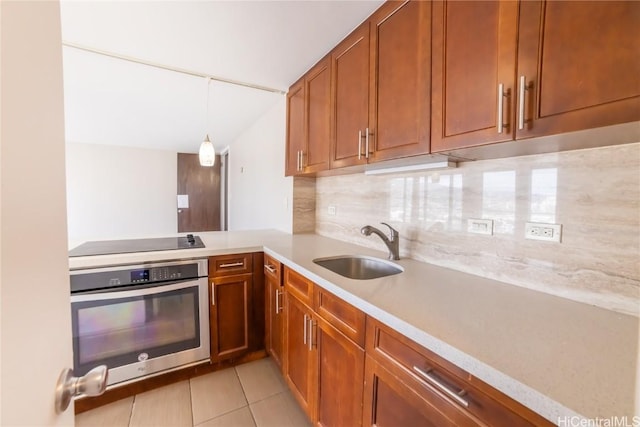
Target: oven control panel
(156,274)
(91,280)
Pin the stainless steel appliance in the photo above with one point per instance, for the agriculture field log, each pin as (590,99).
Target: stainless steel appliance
(139,320)
(106,247)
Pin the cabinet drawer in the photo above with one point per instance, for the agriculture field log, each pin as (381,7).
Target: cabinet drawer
(299,286)
(229,265)
(340,314)
(273,268)
(432,374)
(389,402)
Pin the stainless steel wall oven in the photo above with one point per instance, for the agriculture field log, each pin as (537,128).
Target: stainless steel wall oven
(140,320)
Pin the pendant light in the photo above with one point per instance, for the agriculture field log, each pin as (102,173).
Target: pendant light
(207,153)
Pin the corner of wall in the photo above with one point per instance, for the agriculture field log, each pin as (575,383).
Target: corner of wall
(304,205)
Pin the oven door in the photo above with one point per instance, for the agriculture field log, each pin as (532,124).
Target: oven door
(142,331)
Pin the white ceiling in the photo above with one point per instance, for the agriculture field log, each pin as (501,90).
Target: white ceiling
(268,43)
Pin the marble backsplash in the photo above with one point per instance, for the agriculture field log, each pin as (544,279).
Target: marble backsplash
(593,193)
(304,205)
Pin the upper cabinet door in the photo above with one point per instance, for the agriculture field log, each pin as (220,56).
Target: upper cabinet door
(474,55)
(318,105)
(350,63)
(295,128)
(400,77)
(578,65)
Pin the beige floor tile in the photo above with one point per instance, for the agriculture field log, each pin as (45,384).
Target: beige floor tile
(239,418)
(260,379)
(216,394)
(115,414)
(280,410)
(166,406)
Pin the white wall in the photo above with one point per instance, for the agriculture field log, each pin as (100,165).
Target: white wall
(259,194)
(120,192)
(35,317)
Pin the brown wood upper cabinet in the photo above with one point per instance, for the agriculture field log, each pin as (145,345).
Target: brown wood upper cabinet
(309,121)
(504,71)
(350,88)
(399,100)
(295,127)
(381,86)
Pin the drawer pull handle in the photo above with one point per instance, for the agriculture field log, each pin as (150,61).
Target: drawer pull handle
(232,264)
(270,268)
(443,388)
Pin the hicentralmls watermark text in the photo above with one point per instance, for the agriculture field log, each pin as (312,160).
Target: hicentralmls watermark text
(599,422)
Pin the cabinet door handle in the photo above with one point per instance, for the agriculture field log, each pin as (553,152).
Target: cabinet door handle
(270,268)
(457,397)
(310,340)
(304,333)
(523,88)
(232,264)
(213,293)
(500,106)
(300,162)
(359,144)
(366,143)
(277,301)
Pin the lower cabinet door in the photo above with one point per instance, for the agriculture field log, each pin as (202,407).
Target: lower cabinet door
(340,377)
(229,315)
(299,359)
(388,401)
(275,321)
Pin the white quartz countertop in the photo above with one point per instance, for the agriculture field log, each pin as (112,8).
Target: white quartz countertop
(558,357)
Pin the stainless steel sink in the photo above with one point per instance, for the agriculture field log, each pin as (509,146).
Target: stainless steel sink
(359,267)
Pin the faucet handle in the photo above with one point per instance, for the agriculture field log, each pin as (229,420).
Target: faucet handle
(394,232)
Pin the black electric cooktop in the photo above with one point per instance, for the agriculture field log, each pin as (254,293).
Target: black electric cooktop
(107,247)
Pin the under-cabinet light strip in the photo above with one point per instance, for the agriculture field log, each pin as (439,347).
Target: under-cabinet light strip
(168,68)
(411,168)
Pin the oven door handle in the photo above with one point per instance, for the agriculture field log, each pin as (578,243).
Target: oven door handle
(109,294)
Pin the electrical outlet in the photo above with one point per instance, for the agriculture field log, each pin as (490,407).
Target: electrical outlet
(480,226)
(541,231)
(331,210)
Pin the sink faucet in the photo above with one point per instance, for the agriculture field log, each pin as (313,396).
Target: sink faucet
(392,243)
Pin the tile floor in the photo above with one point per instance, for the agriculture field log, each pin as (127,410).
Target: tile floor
(249,395)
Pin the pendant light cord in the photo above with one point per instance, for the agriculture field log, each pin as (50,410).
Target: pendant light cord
(207,153)
(206,118)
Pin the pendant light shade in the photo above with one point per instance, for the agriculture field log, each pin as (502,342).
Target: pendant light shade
(207,153)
